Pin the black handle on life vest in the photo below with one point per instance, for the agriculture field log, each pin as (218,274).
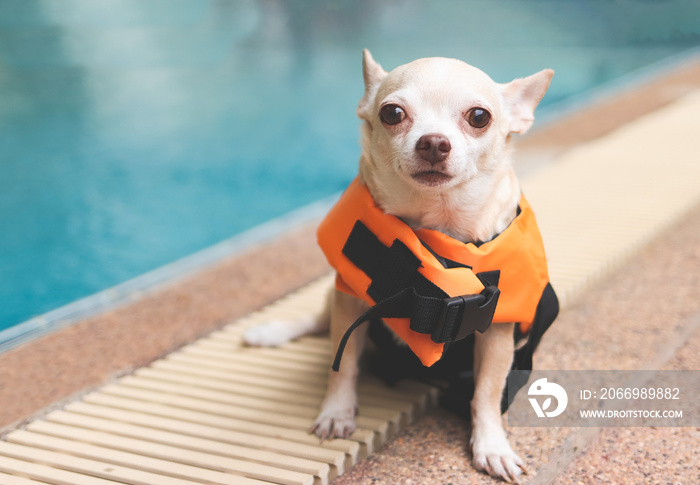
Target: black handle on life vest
(444,319)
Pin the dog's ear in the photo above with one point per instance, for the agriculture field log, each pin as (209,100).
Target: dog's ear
(373,75)
(522,97)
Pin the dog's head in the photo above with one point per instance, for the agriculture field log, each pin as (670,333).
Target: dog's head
(435,123)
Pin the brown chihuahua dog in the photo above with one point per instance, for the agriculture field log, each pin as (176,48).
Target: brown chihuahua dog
(435,154)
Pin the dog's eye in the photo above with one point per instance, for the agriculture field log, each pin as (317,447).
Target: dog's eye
(478,117)
(392,114)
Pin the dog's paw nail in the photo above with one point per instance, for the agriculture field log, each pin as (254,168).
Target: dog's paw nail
(334,423)
(498,460)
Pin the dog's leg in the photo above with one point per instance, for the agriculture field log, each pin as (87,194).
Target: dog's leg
(493,355)
(277,332)
(337,416)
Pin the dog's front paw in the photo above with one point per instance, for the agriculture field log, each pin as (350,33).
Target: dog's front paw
(493,455)
(269,334)
(335,420)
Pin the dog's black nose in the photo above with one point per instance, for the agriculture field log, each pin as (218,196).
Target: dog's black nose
(433,148)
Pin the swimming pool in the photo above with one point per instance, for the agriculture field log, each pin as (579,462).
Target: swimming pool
(135,133)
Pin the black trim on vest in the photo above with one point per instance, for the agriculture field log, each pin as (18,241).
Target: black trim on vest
(391,269)
(489,278)
(547,311)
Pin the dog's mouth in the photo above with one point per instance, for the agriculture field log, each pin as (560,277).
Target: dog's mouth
(431,178)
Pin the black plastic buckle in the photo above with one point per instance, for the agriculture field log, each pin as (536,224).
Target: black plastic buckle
(461,316)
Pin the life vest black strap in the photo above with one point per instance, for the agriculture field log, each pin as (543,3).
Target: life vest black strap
(401,291)
(452,318)
(398,305)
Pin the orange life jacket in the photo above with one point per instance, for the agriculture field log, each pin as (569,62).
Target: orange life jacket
(364,244)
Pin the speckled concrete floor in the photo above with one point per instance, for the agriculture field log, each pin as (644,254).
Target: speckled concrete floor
(621,324)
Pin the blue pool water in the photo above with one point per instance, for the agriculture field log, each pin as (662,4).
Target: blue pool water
(135,132)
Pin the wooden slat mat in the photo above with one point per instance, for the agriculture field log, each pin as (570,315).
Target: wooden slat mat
(213,412)
(217,412)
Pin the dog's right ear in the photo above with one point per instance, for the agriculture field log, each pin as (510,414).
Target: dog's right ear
(373,75)
(522,97)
